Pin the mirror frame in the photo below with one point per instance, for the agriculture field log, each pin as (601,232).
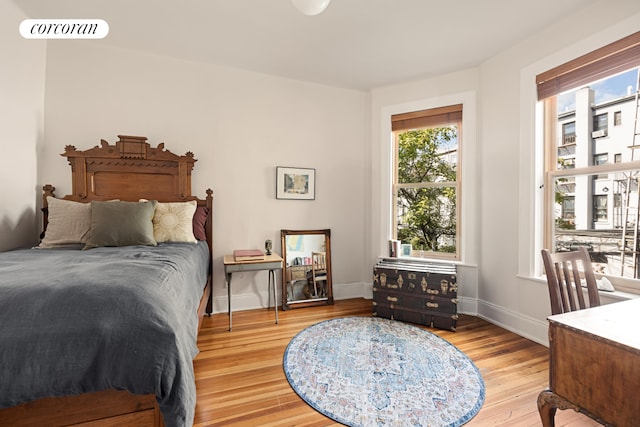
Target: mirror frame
(328,300)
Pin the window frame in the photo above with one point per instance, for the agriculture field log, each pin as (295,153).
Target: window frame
(607,61)
(568,137)
(569,214)
(601,122)
(598,207)
(423,119)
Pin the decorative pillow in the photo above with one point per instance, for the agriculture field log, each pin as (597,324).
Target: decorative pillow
(68,222)
(199,221)
(117,223)
(173,222)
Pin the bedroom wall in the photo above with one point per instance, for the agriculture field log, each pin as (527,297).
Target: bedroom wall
(510,293)
(21,122)
(240,126)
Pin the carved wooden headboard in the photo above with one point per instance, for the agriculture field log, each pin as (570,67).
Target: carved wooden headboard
(130,170)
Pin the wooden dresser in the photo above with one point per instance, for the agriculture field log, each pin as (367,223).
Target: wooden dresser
(594,364)
(416,292)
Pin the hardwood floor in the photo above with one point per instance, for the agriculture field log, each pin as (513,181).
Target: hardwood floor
(241,382)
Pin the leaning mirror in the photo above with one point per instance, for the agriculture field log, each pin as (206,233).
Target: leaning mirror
(306,274)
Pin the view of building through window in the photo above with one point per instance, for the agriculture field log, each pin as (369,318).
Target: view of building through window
(597,197)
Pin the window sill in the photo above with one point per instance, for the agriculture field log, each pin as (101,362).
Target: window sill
(428,260)
(621,294)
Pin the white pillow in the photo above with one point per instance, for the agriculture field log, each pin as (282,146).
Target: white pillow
(68,222)
(173,222)
(603,284)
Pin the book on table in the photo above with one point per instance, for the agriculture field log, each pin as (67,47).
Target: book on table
(248,255)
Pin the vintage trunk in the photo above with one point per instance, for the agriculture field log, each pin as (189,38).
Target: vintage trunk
(416,292)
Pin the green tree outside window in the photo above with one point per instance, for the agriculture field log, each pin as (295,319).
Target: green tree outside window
(426,188)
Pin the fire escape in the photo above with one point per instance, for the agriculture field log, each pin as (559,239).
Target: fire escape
(631,207)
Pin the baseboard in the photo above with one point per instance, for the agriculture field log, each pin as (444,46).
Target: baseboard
(253,300)
(525,326)
(353,290)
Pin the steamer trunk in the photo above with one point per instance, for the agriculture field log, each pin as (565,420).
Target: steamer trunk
(416,292)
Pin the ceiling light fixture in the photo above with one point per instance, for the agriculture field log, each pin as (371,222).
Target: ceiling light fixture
(311,7)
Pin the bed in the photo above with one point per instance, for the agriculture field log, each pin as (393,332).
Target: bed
(98,324)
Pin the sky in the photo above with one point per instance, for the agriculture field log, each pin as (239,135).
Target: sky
(605,90)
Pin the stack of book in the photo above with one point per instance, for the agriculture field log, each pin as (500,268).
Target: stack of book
(394,248)
(248,255)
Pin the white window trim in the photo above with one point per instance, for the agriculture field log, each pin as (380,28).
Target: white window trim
(469,200)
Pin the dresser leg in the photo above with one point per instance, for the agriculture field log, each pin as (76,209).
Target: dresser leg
(547,408)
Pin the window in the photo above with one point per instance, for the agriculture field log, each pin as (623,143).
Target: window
(568,208)
(426,181)
(590,201)
(617,118)
(600,125)
(600,212)
(569,133)
(601,159)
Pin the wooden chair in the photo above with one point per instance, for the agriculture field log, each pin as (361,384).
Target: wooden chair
(318,271)
(565,274)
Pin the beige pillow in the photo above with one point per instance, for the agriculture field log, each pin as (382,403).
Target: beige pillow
(173,222)
(68,222)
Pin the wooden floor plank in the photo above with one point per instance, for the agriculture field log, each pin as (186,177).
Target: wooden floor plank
(240,380)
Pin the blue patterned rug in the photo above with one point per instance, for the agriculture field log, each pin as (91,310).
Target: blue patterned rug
(370,371)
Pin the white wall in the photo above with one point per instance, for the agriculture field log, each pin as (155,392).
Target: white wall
(507,247)
(21,124)
(240,126)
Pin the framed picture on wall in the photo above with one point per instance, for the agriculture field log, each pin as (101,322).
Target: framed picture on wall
(295,183)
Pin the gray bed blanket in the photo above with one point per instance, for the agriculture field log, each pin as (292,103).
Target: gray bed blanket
(123,318)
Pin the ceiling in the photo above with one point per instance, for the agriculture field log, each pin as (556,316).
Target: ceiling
(355,44)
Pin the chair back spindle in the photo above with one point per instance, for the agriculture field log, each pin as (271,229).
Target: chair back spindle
(318,271)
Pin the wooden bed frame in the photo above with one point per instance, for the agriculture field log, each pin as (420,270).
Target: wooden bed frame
(128,170)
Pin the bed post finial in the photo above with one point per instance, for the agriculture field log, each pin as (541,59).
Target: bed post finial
(47,190)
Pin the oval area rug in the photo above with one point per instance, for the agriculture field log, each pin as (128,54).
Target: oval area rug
(370,371)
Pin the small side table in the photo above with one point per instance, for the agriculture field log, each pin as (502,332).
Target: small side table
(271,262)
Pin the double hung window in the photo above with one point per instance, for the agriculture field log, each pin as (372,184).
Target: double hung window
(591,166)
(426,180)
